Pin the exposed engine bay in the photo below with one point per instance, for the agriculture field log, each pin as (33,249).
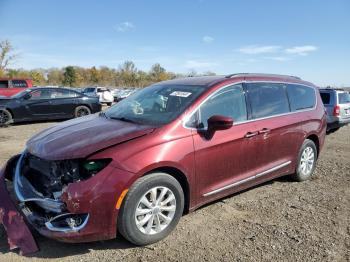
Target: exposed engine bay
(39,185)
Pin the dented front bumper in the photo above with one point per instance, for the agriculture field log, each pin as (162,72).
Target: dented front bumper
(18,233)
(85,211)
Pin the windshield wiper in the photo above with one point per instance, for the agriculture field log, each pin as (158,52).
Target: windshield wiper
(124,119)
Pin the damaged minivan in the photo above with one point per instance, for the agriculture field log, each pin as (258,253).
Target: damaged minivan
(168,149)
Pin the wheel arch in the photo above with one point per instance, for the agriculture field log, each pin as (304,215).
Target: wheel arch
(180,177)
(314,138)
(81,104)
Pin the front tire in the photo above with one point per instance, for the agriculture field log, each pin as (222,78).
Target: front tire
(81,111)
(151,209)
(5,117)
(306,161)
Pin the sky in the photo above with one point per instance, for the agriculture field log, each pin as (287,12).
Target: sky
(309,39)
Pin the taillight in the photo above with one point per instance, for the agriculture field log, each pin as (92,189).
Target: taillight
(336,111)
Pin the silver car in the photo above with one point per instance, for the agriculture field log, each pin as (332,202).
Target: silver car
(337,104)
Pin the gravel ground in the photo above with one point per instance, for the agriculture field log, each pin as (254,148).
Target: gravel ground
(280,220)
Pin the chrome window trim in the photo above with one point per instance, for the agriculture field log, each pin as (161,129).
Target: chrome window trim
(268,171)
(188,116)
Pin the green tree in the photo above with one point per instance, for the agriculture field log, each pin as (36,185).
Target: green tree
(94,75)
(69,76)
(37,77)
(54,76)
(128,74)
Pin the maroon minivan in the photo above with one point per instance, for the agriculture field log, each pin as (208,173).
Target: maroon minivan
(164,151)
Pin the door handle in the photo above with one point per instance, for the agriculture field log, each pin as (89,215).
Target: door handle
(264,131)
(251,134)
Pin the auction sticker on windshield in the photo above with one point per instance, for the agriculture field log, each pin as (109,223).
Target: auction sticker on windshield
(181,94)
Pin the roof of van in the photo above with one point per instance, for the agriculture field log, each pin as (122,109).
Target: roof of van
(212,80)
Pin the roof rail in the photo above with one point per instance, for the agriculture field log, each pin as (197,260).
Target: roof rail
(259,74)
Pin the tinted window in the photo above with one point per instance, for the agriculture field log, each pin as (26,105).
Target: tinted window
(300,97)
(41,94)
(62,93)
(326,98)
(4,84)
(229,101)
(267,99)
(89,90)
(344,98)
(19,83)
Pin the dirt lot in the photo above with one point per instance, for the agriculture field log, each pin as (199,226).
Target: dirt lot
(280,220)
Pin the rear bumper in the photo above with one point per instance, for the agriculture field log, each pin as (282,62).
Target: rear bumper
(93,201)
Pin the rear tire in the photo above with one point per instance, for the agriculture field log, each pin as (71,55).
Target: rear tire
(307,158)
(151,209)
(81,111)
(5,117)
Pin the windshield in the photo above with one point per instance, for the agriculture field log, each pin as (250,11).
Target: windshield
(155,105)
(344,98)
(20,94)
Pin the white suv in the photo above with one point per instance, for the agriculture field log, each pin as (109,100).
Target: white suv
(103,93)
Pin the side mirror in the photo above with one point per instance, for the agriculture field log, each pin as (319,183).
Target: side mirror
(27,96)
(218,122)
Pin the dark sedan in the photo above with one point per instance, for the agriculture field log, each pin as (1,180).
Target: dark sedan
(44,103)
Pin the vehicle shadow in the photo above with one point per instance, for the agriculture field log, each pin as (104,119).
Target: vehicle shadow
(53,249)
(282,179)
(32,122)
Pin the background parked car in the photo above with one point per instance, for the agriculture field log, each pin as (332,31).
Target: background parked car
(104,94)
(45,104)
(337,104)
(10,87)
(120,94)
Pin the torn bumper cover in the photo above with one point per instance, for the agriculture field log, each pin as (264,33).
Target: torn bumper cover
(60,205)
(18,234)
(56,218)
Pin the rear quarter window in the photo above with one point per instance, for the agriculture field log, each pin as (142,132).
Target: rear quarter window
(301,97)
(326,98)
(344,98)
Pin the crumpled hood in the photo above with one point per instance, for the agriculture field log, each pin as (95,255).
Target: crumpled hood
(82,137)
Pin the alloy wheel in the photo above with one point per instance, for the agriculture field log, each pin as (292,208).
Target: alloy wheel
(82,112)
(155,210)
(4,117)
(307,161)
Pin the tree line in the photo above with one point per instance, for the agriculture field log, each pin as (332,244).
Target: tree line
(126,75)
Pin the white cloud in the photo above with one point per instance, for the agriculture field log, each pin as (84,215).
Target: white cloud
(301,50)
(278,58)
(207,39)
(194,64)
(255,49)
(125,26)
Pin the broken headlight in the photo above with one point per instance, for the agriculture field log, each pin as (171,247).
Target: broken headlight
(92,167)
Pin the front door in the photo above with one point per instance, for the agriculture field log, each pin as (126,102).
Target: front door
(38,105)
(228,156)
